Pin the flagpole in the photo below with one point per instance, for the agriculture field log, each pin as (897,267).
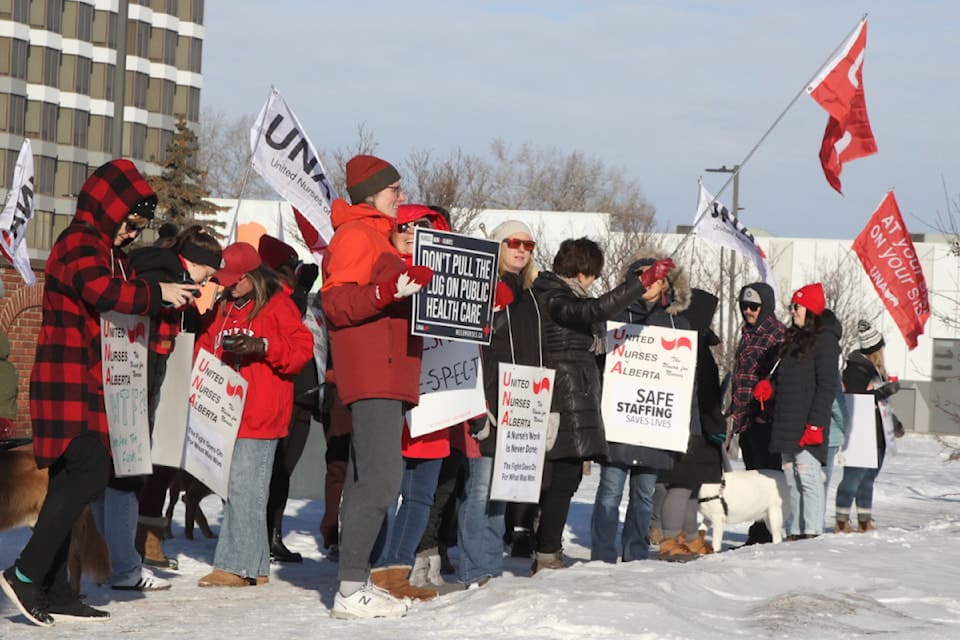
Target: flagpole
(770,129)
(246,174)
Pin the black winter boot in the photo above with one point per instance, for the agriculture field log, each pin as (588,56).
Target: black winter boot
(279,551)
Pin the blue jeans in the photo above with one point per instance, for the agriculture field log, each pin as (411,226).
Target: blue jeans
(479,524)
(416,489)
(243,547)
(115,513)
(856,485)
(804,475)
(606,513)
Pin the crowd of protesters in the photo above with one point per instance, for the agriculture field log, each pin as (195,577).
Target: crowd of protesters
(396,503)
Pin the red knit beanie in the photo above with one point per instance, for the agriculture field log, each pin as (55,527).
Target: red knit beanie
(367,175)
(811,297)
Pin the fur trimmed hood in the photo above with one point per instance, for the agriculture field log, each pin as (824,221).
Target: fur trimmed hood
(679,294)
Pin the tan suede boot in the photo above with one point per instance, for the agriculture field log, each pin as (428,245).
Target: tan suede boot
(700,546)
(675,549)
(842,526)
(221,578)
(866,525)
(395,580)
(149,543)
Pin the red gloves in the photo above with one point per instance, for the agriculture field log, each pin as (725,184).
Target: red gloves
(503,296)
(763,392)
(812,436)
(407,283)
(657,271)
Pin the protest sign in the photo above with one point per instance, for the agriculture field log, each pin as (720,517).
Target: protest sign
(525,396)
(860,441)
(123,359)
(648,385)
(170,422)
(458,302)
(217,395)
(451,386)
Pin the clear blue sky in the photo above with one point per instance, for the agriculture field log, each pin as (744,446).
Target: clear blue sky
(663,89)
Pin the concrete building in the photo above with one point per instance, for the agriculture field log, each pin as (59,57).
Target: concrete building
(91,80)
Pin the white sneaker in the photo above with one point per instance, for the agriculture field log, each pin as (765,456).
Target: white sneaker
(142,580)
(368,602)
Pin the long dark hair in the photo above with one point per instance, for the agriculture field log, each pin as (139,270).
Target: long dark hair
(799,342)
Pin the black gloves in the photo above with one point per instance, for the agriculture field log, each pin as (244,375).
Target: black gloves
(244,345)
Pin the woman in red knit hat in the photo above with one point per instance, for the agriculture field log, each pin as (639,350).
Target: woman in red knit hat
(805,384)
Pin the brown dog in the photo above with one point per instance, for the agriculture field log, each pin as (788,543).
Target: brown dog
(193,492)
(23,488)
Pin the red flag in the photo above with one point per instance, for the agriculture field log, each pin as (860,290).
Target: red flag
(838,88)
(311,236)
(886,252)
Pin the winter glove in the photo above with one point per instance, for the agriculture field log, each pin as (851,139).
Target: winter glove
(407,283)
(812,436)
(657,271)
(244,345)
(307,274)
(763,392)
(717,438)
(840,460)
(886,390)
(502,297)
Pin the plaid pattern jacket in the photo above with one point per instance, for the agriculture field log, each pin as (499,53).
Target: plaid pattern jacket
(756,354)
(85,276)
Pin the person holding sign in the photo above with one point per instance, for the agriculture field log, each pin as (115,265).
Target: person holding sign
(573,337)
(865,373)
(662,305)
(256,329)
(193,255)
(805,383)
(366,300)
(87,274)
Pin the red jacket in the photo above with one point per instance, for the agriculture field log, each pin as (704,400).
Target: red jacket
(269,404)
(85,276)
(374,354)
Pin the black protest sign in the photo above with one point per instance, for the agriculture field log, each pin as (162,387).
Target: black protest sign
(458,302)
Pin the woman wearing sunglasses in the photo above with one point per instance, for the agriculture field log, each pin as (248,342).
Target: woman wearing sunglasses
(805,383)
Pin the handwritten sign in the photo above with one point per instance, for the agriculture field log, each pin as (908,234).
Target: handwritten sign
(525,396)
(458,302)
(451,386)
(170,422)
(217,395)
(123,357)
(648,385)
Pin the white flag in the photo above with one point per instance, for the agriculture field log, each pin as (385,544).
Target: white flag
(17,213)
(715,224)
(289,162)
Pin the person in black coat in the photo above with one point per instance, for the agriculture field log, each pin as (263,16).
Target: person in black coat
(573,336)
(662,306)
(805,384)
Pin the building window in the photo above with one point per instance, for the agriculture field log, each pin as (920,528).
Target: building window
(81,123)
(170,47)
(84,22)
(166,141)
(83,72)
(112,30)
(51,67)
(21,11)
(48,121)
(140,84)
(54,18)
(17,120)
(193,104)
(143,40)
(78,175)
(166,97)
(197,14)
(108,82)
(46,175)
(196,50)
(18,58)
(172,7)
(107,142)
(138,140)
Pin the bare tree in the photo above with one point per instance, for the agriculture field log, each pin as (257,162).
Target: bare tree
(224,156)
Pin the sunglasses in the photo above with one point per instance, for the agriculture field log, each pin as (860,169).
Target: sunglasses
(410,226)
(516,243)
(749,306)
(795,306)
(135,227)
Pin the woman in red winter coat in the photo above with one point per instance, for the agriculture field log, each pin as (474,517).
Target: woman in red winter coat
(255,328)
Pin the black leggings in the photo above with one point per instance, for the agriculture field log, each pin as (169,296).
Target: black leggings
(289,450)
(561,478)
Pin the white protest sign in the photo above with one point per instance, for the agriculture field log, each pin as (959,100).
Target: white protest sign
(648,385)
(451,386)
(217,395)
(170,422)
(123,359)
(860,446)
(525,396)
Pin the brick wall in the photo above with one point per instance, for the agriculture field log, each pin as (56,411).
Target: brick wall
(20,319)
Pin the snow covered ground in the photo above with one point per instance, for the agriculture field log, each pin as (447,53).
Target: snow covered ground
(901,579)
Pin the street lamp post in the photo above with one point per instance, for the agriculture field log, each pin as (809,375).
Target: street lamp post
(731,298)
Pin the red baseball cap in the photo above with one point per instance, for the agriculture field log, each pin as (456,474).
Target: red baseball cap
(239,259)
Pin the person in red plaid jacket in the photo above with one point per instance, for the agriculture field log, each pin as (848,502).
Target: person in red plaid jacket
(86,274)
(760,339)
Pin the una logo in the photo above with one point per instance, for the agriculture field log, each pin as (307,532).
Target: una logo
(137,332)
(543,385)
(486,329)
(235,390)
(682,341)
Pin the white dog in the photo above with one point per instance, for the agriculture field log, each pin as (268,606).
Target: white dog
(745,496)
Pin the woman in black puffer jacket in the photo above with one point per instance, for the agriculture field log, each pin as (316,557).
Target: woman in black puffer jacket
(573,336)
(805,384)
